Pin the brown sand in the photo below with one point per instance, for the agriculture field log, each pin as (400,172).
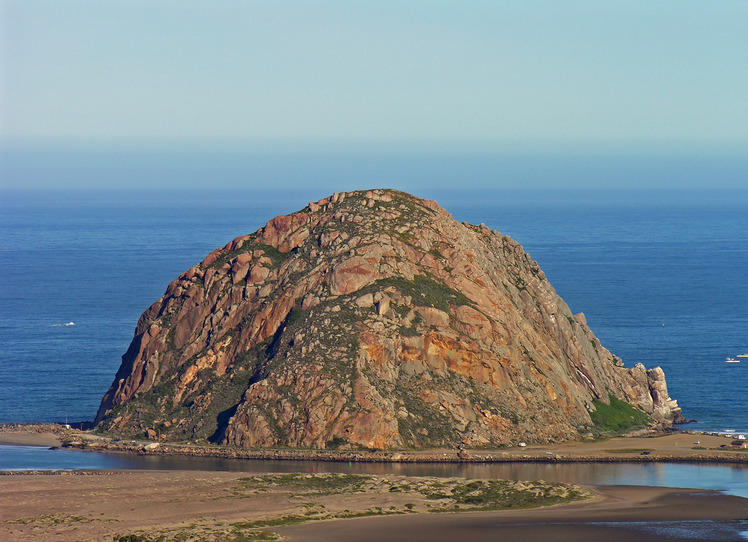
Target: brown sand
(620,514)
(98,506)
(679,443)
(26,438)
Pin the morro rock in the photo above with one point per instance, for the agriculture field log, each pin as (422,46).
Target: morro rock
(369,319)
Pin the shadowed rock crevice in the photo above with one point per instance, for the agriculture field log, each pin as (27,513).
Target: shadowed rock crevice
(222,421)
(370,319)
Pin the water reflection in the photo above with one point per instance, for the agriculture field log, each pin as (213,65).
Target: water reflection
(731,478)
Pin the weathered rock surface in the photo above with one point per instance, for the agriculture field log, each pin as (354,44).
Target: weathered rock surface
(368,319)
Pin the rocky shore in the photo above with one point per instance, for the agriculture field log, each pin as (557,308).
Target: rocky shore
(449,456)
(671,447)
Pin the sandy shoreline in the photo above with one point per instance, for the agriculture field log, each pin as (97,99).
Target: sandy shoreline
(620,513)
(208,505)
(21,438)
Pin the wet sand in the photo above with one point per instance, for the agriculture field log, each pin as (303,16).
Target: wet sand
(24,438)
(99,506)
(620,514)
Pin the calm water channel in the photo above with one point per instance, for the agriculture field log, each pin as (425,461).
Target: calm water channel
(732,479)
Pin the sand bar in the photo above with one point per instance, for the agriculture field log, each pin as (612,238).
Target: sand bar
(33,434)
(621,513)
(102,505)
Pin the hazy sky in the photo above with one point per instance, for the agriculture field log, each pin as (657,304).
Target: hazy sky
(381,74)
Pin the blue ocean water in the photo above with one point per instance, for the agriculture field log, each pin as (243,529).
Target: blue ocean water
(661,277)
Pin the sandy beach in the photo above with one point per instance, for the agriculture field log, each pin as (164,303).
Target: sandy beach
(215,506)
(618,514)
(31,438)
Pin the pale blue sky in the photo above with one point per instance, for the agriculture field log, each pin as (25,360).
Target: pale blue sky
(409,94)
(382,74)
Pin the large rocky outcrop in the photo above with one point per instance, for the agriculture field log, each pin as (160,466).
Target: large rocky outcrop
(368,319)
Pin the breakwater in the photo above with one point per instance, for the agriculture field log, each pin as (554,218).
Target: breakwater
(381,456)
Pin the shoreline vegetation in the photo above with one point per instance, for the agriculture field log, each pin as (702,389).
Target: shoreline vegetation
(681,446)
(203,506)
(266,501)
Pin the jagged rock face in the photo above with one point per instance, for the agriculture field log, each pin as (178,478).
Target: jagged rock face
(368,319)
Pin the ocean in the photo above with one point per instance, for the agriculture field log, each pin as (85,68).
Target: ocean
(660,275)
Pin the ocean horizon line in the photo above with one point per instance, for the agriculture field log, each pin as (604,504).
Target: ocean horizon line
(343,171)
(449,198)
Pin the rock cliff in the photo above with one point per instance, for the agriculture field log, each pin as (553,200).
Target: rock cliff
(369,319)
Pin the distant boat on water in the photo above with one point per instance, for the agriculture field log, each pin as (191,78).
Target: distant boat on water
(732,360)
(64,325)
(743,355)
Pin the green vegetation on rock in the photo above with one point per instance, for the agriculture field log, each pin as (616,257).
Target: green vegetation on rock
(617,417)
(271,252)
(425,291)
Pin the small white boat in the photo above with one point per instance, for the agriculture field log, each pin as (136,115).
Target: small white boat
(742,355)
(732,360)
